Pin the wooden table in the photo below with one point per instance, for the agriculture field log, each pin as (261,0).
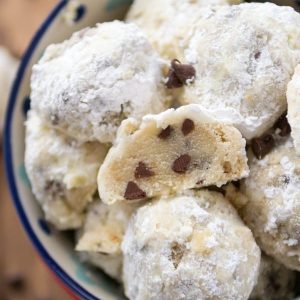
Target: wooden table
(23,276)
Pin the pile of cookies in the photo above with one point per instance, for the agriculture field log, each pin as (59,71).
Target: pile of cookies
(171,143)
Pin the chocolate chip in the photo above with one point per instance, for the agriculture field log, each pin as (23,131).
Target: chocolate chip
(173,81)
(262,146)
(165,133)
(183,72)
(133,192)
(179,74)
(200,182)
(15,281)
(143,171)
(283,125)
(257,55)
(187,126)
(181,164)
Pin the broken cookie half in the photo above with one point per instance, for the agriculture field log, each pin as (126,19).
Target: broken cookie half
(171,152)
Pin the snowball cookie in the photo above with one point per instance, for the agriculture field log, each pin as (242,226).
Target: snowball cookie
(244,56)
(88,84)
(102,234)
(293,98)
(190,247)
(168,22)
(62,172)
(273,207)
(171,152)
(275,282)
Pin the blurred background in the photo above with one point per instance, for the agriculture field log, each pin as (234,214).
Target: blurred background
(23,275)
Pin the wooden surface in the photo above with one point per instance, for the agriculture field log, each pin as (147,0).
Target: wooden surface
(19,19)
(23,276)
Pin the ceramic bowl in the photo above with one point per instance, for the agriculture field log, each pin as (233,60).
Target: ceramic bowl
(56,249)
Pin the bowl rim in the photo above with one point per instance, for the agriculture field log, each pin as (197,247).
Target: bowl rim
(9,165)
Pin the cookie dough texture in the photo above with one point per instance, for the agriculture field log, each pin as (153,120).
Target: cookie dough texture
(190,247)
(244,56)
(88,84)
(293,98)
(102,234)
(275,282)
(62,172)
(273,207)
(171,152)
(168,23)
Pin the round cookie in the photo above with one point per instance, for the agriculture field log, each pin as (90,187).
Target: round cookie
(193,246)
(100,238)
(275,282)
(272,208)
(88,84)
(293,98)
(171,152)
(167,23)
(62,172)
(244,55)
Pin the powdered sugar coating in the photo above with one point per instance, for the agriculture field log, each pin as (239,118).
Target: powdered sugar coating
(88,84)
(273,207)
(192,246)
(244,56)
(293,98)
(167,23)
(101,236)
(62,173)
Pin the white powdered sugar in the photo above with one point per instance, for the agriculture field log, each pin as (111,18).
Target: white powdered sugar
(273,207)
(88,84)
(192,246)
(168,23)
(293,98)
(62,172)
(99,241)
(244,56)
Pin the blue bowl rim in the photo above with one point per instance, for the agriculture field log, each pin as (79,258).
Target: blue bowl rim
(9,166)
